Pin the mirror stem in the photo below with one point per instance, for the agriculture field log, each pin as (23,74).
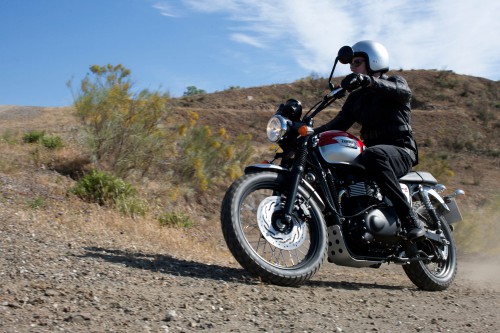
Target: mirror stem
(330,84)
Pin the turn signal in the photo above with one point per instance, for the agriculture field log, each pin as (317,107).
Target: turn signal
(303,130)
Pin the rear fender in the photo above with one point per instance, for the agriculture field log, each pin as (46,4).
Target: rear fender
(435,197)
(313,194)
(448,209)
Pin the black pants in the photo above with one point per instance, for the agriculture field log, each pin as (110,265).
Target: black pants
(386,164)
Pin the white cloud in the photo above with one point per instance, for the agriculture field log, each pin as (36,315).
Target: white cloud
(433,34)
(211,6)
(245,39)
(164,9)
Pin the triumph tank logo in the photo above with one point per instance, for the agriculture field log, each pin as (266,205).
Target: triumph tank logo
(347,143)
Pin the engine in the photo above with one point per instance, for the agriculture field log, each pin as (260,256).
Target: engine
(370,224)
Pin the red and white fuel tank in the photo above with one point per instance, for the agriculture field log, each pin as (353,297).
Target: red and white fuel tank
(339,147)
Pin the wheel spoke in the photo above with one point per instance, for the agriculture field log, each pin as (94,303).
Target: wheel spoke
(280,257)
(250,214)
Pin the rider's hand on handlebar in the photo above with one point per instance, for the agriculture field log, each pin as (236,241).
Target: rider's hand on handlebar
(355,80)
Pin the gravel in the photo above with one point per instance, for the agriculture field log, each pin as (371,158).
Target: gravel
(52,285)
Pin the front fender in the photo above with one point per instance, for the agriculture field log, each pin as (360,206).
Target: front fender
(254,168)
(265,167)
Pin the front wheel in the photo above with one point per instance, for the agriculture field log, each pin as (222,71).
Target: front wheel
(285,257)
(438,273)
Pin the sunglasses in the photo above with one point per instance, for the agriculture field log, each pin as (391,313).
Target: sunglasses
(357,62)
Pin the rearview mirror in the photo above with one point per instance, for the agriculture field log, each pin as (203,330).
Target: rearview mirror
(345,55)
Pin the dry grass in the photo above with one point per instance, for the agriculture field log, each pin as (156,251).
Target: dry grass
(70,220)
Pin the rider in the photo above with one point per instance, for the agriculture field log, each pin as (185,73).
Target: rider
(381,106)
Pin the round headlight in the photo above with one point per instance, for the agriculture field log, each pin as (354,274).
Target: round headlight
(276,128)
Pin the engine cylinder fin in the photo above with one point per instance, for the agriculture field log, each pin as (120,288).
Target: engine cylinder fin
(357,189)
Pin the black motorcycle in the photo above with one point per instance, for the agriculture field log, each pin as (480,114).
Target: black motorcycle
(280,220)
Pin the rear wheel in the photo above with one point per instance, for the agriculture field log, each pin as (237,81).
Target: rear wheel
(249,209)
(439,272)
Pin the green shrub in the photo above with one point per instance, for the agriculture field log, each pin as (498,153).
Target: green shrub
(106,189)
(192,90)
(36,203)
(175,219)
(125,133)
(52,142)
(8,136)
(486,115)
(446,79)
(438,165)
(206,157)
(33,136)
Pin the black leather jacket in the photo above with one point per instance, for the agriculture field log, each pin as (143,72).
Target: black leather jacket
(383,111)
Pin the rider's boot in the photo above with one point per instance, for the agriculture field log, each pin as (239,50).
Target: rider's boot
(414,227)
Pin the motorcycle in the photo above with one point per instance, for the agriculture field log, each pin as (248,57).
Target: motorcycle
(281,220)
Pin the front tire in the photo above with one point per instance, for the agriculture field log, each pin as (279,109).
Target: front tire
(289,258)
(438,273)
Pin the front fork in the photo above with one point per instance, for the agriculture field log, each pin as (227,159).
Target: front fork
(295,178)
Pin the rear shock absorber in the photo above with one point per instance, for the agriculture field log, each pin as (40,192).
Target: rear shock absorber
(424,197)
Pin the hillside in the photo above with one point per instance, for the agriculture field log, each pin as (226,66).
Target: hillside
(455,120)
(71,266)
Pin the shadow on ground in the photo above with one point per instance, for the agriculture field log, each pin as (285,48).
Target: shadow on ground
(169,265)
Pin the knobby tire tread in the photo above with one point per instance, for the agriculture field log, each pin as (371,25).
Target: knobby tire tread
(242,255)
(424,279)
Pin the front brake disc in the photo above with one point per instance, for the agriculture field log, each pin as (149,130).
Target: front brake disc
(292,238)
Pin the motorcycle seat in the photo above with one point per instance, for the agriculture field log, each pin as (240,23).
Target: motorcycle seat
(419,177)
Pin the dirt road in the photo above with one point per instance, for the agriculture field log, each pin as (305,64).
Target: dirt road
(53,281)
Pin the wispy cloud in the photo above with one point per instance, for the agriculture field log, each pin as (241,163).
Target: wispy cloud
(245,39)
(211,6)
(164,9)
(438,34)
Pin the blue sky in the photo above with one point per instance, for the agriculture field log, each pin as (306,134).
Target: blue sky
(216,44)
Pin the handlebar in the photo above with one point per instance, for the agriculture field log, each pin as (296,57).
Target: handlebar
(337,92)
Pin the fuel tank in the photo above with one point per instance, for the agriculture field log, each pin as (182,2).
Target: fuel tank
(339,147)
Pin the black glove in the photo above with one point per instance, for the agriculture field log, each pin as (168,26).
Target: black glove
(355,80)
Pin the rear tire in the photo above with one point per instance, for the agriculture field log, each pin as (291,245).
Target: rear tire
(288,263)
(436,274)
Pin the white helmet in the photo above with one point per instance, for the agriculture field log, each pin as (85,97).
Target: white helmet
(375,53)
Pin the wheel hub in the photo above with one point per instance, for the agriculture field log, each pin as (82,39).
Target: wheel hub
(289,239)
